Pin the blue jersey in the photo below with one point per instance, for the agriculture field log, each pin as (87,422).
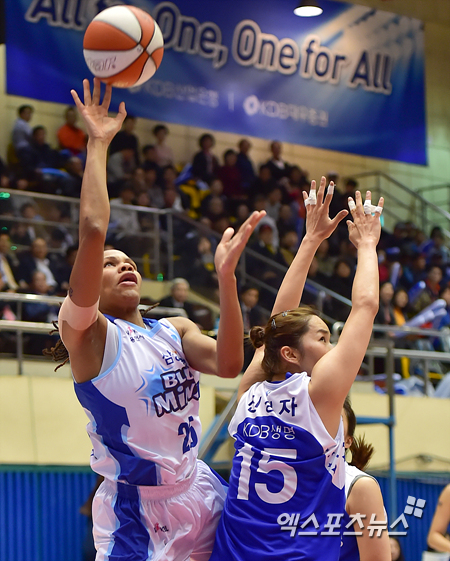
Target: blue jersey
(286,496)
(143,406)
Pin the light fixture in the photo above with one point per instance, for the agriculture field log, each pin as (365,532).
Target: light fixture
(308,8)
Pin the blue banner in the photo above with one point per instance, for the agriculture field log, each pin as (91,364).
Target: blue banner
(350,80)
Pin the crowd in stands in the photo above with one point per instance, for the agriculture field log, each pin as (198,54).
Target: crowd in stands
(214,191)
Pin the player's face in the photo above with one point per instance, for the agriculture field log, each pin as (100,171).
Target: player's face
(314,344)
(121,281)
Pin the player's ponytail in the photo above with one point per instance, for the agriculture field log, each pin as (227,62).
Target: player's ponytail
(283,329)
(361,450)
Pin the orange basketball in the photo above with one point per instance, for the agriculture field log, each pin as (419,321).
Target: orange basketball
(123,46)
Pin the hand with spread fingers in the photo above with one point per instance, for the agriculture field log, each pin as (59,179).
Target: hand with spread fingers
(366,226)
(318,221)
(231,246)
(95,114)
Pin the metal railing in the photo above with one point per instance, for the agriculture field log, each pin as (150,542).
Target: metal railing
(404,204)
(20,327)
(160,256)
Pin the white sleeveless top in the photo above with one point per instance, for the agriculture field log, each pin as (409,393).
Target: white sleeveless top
(143,406)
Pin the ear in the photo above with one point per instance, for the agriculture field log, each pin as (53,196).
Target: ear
(348,442)
(290,355)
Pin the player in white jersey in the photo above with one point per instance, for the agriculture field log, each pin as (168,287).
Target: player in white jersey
(286,495)
(138,380)
(364,501)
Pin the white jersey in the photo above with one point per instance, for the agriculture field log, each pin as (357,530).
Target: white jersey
(287,478)
(143,408)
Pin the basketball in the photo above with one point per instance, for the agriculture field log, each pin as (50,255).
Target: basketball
(123,46)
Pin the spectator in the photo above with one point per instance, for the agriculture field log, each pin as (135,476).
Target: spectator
(431,290)
(71,185)
(251,315)
(200,269)
(125,139)
(242,213)
(385,315)
(260,203)
(287,220)
(121,166)
(40,162)
(164,154)
(245,165)
(273,204)
(70,137)
(435,251)
(215,190)
(64,268)
(231,178)
(263,184)
(179,294)
(325,260)
(150,161)
(278,167)
(124,223)
(22,132)
(415,272)
(400,304)
(38,258)
(8,265)
(260,269)
(39,312)
(215,209)
(154,190)
(341,282)
(205,165)
(24,233)
(289,245)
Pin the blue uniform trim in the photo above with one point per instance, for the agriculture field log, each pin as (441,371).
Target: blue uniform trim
(110,420)
(131,538)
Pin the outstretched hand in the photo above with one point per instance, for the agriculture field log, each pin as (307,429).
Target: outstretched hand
(231,246)
(318,221)
(95,114)
(366,227)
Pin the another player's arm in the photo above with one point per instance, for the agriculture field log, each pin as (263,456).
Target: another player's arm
(365,498)
(319,227)
(87,272)
(335,372)
(226,356)
(437,534)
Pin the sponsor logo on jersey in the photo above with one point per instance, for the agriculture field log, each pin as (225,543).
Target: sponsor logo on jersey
(180,387)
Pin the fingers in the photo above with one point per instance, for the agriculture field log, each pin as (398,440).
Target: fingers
(122,113)
(339,216)
(87,92)
(96,92)
(76,100)
(227,235)
(321,191)
(311,199)
(107,97)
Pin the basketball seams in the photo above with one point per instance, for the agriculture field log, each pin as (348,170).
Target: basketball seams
(125,41)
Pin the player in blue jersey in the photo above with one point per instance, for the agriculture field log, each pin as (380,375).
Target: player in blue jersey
(138,379)
(286,497)
(367,539)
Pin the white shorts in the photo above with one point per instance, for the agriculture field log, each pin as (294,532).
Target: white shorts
(168,522)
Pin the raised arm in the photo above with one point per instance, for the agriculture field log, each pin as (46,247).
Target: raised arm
(86,328)
(334,373)
(226,356)
(319,226)
(437,538)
